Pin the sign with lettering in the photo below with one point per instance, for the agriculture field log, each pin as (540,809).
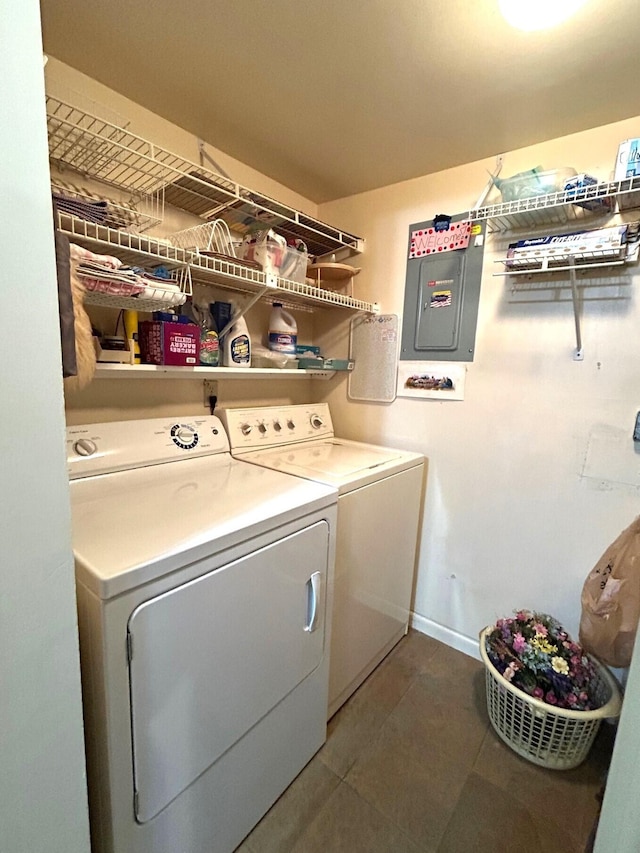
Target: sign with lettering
(428,241)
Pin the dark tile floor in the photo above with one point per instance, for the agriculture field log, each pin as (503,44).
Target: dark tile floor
(411,764)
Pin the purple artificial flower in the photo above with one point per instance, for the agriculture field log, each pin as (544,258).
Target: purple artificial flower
(550,698)
(519,643)
(538,692)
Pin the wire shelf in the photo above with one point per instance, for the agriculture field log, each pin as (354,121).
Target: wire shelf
(588,203)
(234,276)
(137,216)
(143,250)
(154,297)
(113,155)
(131,249)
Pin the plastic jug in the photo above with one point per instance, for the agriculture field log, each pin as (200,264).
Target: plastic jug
(237,343)
(209,344)
(283,330)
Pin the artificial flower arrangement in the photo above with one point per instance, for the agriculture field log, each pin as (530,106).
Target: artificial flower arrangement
(534,653)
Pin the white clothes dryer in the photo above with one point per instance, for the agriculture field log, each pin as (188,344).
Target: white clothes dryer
(379,500)
(203,585)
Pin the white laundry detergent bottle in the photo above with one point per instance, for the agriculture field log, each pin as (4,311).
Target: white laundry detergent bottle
(237,343)
(283,330)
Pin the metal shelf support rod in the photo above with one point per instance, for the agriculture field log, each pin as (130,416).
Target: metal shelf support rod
(244,310)
(579,353)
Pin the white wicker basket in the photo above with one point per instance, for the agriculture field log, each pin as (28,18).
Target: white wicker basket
(552,737)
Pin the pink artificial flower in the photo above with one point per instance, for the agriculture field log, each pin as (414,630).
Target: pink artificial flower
(551,698)
(509,673)
(583,697)
(538,692)
(572,699)
(522,615)
(540,629)
(519,643)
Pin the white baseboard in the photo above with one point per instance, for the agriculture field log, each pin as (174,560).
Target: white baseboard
(445,635)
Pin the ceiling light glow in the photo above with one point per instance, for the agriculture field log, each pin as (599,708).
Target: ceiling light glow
(538,14)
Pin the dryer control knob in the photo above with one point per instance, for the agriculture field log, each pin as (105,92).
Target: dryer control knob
(277,426)
(291,424)
(262,428)
(316,421)
(245,429)
(85,447)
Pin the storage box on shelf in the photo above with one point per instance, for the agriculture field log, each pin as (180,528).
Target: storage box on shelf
(535,182)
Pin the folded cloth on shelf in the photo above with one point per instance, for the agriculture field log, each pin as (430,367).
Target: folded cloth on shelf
(91,211)
(106,274)
(112,287)
(80,202)
(120,282)
(79,253)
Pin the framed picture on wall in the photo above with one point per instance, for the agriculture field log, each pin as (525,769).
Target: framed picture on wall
(431,380)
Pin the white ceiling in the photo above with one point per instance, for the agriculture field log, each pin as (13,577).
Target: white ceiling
(339,96)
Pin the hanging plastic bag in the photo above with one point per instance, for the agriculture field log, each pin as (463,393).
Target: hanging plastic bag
(611,600)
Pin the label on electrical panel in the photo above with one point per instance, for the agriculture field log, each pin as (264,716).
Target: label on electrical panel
(440,299)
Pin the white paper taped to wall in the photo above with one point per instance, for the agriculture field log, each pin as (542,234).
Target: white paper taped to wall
(374,350)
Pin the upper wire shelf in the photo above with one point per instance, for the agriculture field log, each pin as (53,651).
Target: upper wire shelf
(113,155)
(561,207)
(139,250)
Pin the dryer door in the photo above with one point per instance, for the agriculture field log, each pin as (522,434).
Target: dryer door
(210,658)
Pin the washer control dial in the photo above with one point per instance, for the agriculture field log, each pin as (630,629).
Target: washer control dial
(85,447)
(277,426)
(245,429)
(262,428)
(291,424)
(316,421)
(184,436)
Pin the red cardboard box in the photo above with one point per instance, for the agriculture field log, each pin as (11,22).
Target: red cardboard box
(169,343)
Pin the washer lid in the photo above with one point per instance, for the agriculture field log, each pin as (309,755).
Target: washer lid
(133,526)
(335,461)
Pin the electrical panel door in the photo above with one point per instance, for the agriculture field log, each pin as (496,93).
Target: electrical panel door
(442,292)
(440,297)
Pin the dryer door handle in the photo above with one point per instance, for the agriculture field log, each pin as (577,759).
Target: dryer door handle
(313,598)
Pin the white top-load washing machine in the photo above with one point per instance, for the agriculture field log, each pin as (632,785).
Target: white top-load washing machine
(380,491)
(203,585)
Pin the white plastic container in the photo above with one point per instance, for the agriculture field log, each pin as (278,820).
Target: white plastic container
(283,331)
(237,344)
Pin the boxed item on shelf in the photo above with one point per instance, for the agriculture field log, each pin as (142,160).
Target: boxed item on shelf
(307,351)
(325,364)
(581,245)
(628,166)
(581,183)
(628,160)
(169,343)
(109,352)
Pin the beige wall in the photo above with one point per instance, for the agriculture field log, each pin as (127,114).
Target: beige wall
(535,472)
(527,475)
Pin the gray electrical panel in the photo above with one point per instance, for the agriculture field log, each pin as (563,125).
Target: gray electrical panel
(442,292)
